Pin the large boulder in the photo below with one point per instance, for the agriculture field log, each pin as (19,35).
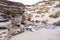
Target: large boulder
(13,12)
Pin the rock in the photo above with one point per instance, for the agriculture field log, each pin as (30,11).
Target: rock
(47,10)
(4,34)
(10,17)
(16,29)
(5,24)
(35,26)
(58,24)
(55,15)
(32,26)
(35,17)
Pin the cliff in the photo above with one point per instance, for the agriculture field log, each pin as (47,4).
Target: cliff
(9,7)
(10,18)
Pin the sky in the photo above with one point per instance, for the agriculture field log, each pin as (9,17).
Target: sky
(26,2)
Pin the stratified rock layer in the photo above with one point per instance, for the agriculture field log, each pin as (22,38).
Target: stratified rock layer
(12,12)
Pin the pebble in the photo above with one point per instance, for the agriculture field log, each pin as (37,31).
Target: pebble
(36,26)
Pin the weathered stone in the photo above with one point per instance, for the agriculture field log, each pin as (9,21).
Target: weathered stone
(55,15)
(4,34)
(16,29)
(44,9)
(35,26)
(13,11)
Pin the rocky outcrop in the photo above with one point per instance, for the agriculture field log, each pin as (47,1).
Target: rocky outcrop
(44,12)
(4,34)
(40,15)
(11,8)
(10,18)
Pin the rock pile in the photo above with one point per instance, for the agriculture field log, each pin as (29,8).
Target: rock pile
(35,26)
(44,12)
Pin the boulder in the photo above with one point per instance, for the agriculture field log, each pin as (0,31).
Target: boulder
(4,34)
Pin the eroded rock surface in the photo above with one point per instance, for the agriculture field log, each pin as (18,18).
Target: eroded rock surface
(10,17)
(44,12)
(4,33)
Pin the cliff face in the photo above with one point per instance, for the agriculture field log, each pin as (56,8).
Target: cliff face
(10,18)
(13,8)
(44,12)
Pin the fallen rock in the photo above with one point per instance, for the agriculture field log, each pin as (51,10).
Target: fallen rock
(35,26)
(4,34)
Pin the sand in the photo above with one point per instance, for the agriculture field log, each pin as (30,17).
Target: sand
(41,34)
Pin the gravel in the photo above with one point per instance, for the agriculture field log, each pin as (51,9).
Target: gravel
(36,26)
